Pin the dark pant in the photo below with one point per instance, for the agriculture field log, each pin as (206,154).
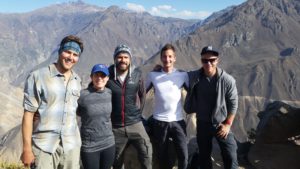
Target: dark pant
(102,159)
(228,146)
(176,130)
(136,135)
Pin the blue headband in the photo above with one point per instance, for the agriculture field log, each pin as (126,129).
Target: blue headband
(73,46)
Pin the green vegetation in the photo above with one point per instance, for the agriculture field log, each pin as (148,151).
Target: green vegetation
(11,166)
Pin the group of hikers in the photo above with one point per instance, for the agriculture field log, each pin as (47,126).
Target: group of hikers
(110,111)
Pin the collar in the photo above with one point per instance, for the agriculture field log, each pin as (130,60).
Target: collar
(54,72)
(92,89)
(174,70)
(219,72)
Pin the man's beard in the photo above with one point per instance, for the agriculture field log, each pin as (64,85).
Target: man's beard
(122,68)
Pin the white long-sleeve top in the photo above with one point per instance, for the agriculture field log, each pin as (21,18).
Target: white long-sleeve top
(167,93)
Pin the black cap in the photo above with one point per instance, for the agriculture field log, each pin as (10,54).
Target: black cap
(209,49)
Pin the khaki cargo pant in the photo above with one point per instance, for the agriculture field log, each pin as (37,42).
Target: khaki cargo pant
(58,160)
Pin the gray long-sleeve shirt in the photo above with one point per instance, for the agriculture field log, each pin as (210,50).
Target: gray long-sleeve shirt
(94,108)
(226,98)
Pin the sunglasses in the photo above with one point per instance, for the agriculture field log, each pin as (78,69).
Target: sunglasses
(208,60)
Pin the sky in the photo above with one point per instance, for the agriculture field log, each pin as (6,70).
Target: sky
(185,9)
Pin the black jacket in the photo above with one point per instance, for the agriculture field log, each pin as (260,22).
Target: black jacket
(127,99)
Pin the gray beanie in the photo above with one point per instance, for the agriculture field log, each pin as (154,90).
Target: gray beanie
(122,49)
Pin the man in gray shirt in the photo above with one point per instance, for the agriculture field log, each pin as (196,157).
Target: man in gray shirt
(213,96)
(53,141)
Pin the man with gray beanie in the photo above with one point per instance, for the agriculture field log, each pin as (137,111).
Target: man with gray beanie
(128,96)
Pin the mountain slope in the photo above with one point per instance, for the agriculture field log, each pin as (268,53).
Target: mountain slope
(32,38)
(143,33)
(259,45)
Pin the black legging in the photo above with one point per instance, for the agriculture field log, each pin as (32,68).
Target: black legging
(102,159)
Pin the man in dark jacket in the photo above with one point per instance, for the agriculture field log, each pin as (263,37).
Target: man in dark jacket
(213,96)
(128,96)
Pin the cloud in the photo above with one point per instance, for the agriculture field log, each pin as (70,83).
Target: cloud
(166,7)
(135,7)
(162,10)
(195,15)
(169,11)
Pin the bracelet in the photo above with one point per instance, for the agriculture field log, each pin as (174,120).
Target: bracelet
(228,122)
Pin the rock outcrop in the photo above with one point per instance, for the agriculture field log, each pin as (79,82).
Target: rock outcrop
(277,138)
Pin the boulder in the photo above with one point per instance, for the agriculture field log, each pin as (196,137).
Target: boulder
(277,138)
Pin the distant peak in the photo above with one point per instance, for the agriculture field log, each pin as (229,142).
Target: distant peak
(79,2)
(113,8)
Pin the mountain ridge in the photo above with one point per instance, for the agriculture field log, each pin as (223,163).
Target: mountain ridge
(258,43)
(262,55)
(33,37)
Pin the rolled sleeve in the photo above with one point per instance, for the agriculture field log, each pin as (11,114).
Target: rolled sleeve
(31,97)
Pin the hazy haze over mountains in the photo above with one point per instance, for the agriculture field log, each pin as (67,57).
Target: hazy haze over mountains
(258,42)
